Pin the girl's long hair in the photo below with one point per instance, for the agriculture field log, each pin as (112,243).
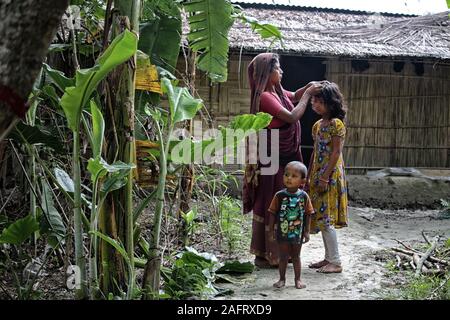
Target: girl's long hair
(333,100)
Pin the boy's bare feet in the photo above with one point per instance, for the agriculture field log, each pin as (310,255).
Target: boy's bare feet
(318,265)
(330,268)
(299,284)
(279,284)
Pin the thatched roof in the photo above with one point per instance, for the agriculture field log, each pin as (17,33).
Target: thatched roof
(403,7)
(325,33)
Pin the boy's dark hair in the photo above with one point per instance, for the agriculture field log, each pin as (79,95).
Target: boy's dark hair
(299,166)
(333,100)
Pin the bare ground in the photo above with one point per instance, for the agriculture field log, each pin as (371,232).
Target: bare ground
(363,252)
(362,246)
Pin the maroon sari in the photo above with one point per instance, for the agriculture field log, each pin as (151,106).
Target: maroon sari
(258,190)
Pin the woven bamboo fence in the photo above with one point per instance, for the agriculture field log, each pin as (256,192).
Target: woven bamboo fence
(395,119)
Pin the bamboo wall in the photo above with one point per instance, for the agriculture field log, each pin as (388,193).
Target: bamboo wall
(395,119)
(227,99)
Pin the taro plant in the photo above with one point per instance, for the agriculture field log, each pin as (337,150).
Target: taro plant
(189,224)
(13,238)
(192,274)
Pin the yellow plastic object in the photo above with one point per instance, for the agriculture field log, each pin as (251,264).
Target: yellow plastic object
(147,76)
(147,171)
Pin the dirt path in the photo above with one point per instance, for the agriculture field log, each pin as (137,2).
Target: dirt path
(370,232)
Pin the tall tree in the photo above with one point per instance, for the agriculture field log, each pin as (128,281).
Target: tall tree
(27,28)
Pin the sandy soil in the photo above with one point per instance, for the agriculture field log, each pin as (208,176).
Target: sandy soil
(370,233)
(363,251)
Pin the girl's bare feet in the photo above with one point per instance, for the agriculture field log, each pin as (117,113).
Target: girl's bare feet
(299,284)
(318,265)
(330,268)
(279,284)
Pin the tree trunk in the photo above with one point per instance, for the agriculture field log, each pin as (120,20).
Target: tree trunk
(27,28)
(120,146)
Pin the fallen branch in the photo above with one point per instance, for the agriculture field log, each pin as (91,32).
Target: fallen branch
(406,246)
(399,261)
(431,258)
(435,272)
(416,260)
(428,264)
(425,237)
(426,256)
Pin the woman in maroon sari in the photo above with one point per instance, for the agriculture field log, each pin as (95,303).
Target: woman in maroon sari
(267,95)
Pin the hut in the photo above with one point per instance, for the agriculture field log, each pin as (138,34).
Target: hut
(392,67)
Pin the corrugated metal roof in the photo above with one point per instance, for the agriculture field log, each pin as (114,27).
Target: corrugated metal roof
(405,7)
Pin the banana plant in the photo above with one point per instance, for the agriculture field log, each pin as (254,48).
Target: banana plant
(209,23)
(113,177)
(73,101)
(182,106)
(160,35)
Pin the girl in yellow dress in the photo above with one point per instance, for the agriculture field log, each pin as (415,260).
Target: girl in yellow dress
(326,177)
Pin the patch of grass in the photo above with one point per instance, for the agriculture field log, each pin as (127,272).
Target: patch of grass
(425,288)
(231,220)
(391,266)
(408,286)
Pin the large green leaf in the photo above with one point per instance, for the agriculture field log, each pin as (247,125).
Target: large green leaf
(99,167)
(35,135)
(210,22)
(64,180)
(98,129)
(144,203)
(186,151)
(75,98)
(116,173)
(150,9)
(51,221)
(114,181)
(182,105)
(160,38)
(58,78)
(190,216)
(117,245)
(48,92)
(236,267)
(19,231)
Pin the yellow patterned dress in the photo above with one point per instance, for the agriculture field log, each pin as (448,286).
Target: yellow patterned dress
(330,207)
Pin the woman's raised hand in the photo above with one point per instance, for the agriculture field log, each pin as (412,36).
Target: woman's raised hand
(314,88)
